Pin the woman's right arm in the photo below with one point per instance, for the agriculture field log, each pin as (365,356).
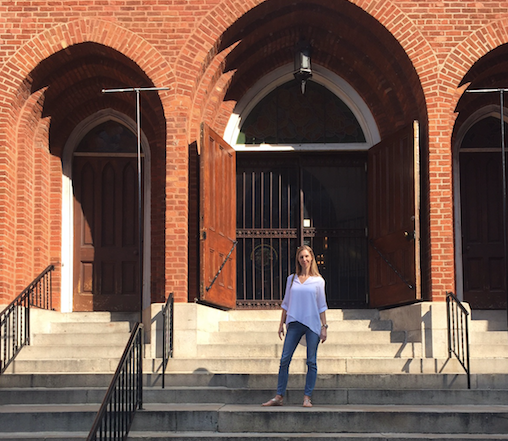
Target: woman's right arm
(281,325)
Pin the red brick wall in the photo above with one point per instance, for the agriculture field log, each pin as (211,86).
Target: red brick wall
(179,44)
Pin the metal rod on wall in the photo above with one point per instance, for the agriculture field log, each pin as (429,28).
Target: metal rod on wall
(138,90)
(503,162)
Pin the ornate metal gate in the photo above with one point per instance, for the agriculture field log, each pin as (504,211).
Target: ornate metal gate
(287,199)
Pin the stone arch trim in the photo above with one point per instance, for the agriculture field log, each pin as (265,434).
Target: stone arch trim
(194,56)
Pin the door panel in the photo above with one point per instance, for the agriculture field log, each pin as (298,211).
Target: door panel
(394,219)
(217,220)
(106,251)
(482,229)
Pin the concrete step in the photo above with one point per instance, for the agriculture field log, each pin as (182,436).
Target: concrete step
(44,395)
(361,419)
(214,436)
(70,365)
(56,380)
(489,365)
(336,326)
(325,365)
(336,337)
(488,320)
(94,317)
(61,352)
(220,421)
(327,350)
(206,406)
(488,350)
(43,436)
(439,381)
(487,326)
(331,314)
(47,418)
(489,338)
(89,339)
(229,395)
(104,328)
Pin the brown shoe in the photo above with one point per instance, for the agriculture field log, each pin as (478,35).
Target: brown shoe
(307,402)
(273,402)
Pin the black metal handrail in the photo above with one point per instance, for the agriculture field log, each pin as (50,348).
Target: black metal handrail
(15,318)
(167,334)
(458,333)
(124,395)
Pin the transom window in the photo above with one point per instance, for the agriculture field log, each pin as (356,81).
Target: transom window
(286,116)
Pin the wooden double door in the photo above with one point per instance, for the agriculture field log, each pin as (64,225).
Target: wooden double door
(359,212)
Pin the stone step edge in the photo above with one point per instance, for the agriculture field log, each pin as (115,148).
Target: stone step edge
(269,436)
(257,408)
(254,436)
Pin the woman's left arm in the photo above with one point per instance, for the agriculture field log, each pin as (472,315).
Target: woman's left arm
(324,327)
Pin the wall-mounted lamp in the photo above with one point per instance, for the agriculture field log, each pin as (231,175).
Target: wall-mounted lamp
(303,69)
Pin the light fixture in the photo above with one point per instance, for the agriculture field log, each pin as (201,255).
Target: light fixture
(303,69)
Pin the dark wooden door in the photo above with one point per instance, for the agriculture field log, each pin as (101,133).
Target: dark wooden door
(106,249)
(217,220)
(484,269)
(393,177)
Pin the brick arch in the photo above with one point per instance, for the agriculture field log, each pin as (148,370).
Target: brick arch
(456,108)
(17,69)
(406,33)
(17,95)
(107,33)
(204,45)
(458,63)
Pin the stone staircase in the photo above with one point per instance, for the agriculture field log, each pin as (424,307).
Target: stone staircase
(375,381)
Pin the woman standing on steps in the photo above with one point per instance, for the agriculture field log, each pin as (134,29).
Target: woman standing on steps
(303,312)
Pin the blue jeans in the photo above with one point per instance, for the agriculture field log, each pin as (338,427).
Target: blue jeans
(294,333)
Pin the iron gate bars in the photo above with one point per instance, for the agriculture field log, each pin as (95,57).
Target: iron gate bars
(124,395)
(15,319)
(458,333)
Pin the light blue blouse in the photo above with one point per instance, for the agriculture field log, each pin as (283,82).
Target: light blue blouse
(304,302)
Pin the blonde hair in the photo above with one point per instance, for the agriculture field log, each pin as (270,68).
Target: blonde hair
(314,271)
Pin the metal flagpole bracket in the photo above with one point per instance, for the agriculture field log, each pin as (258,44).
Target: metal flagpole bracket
(138,90)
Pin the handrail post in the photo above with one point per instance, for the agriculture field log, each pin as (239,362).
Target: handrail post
(458,333)
(140,368)
(167,341)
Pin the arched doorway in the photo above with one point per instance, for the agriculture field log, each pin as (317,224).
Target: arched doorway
(365,67)
(73,80)
(479,242)
(106,220)
(309,185)
(104,143)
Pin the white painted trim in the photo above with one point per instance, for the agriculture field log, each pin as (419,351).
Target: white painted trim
(68,203)
(484,112)
(320,75)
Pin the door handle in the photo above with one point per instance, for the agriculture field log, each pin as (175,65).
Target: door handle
(409,235)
